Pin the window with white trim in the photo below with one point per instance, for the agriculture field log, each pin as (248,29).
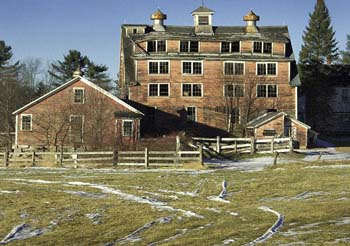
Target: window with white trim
(158,67)
(191,67)
(26,122)
(262,47)
(266,90)
(76,128)
(233,68)
(233,90)
(192,90)
(128,128)
(156,46)
(191,114)
(266,68)
(79,95)
(158,90)
(189,46)
(231,47)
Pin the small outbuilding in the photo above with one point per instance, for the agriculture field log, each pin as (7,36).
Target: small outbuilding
(280,124)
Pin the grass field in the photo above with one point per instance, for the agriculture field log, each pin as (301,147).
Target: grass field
(160,207)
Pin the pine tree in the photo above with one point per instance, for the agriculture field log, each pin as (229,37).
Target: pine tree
(10,90)
(63,71)
(319,43)
(345,54)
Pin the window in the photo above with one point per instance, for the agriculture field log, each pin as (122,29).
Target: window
(127,128)
(158,90)
(191,67)
(191,90)
(262,47)
(189,46)
(76,128)
(156,46)
(345,95)
(233,68)
(158,67)
(269,132)
(191,114)
(266,91)
(266,68)
(230,47)
(203,20)
(234,91)
(26,122)
(79,96)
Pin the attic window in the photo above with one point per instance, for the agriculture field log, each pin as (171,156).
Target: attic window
(156,46)
(189,46)
(203,20)
(79,95)
(262,47)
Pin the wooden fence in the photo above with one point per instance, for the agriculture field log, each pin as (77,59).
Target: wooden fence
(245,145)
(144,158)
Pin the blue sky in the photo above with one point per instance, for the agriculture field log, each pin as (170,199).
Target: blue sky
(47,29)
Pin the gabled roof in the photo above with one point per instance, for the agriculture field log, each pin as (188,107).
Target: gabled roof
(202,9)
(65,85)
(267,117)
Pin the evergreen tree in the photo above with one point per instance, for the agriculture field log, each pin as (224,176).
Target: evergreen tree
(345,54)
(319,42)
(10,90)
(63,71)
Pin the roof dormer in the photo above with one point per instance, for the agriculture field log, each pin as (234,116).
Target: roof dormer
(203,20)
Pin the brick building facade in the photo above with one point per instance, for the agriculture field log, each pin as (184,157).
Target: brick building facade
(206,78)
(77,114)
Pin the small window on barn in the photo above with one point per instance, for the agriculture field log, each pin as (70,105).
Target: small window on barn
(26,122)
(79,95)
(127,128)
(269,132)
(191,114)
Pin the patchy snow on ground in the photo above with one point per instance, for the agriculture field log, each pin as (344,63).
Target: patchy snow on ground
(272,230)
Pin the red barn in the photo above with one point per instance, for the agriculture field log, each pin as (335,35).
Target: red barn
(77,114)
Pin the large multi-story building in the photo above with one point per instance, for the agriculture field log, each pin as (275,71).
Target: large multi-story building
(206,77)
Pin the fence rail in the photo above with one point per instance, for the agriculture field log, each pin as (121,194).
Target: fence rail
(245,145)
(144,158)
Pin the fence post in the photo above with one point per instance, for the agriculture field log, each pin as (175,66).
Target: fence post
(115,158)
(290,144)
(146,158)
(252,145)
(272,144)
(218,147)
(6,158)
(61,157)
(201,154)
(33,158)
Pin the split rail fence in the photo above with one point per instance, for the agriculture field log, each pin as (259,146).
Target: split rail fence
(144,158)
(245,145)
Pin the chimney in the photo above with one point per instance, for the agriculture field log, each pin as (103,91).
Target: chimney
(158,21)
(251,18)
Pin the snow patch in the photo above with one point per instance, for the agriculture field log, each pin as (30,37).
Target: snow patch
(272,230)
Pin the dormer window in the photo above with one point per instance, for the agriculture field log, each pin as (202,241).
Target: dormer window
(189,46)
(262,47)
(203,20)
(230,47)
(156,46)
(79,95)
